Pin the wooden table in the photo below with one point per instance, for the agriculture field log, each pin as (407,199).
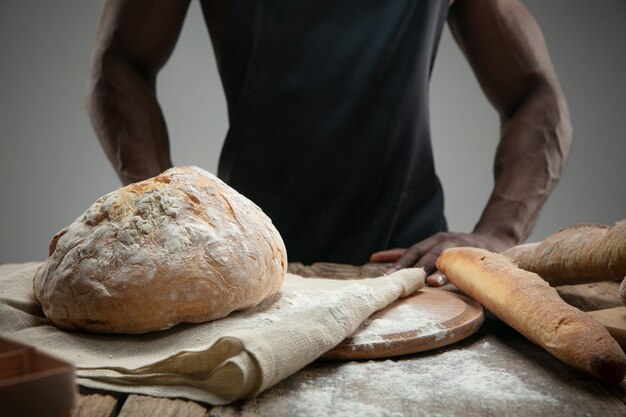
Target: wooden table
(495,372)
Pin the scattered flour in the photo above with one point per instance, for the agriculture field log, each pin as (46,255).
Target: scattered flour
(451,380)
(322,402)
(284,305)
(406,318)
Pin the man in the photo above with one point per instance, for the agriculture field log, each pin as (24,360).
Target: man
(328,111)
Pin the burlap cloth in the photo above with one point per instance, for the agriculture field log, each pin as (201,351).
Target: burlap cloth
(215,362)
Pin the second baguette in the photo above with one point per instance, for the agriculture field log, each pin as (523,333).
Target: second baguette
(528,304)
(578,254)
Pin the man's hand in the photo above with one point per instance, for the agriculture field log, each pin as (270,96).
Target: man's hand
(425,253)
(506,49)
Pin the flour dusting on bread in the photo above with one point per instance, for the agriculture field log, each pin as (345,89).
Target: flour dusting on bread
(179,247)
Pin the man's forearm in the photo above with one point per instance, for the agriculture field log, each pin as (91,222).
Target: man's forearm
(506,49)
(535,143)
(127,118)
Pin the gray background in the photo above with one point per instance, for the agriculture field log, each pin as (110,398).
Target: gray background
(52,167)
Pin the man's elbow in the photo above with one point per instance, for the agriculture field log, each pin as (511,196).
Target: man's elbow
(111,77)
(102,70)
(545,107)
(561,121)
(551,114)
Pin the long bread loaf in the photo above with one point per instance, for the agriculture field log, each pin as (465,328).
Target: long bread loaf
(575,255)
(528,304)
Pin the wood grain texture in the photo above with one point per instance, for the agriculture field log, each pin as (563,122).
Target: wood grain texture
(579,394)
(497,347)
(96,405)
(620,391)
(614,319)
(426,320)
(338,271)
(141,405)
(496,372)
(590,297)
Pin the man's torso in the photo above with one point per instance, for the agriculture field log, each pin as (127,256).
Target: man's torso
(328,109)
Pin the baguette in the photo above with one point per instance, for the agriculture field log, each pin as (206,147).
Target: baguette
(528,304)
(578,254)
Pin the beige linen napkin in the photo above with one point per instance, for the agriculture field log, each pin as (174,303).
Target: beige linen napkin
(215,362)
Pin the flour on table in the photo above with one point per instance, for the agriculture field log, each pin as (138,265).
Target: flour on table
(396,388)
(406,318)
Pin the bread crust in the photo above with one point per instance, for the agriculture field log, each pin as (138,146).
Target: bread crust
(179,247)
(578,254)
(528,304)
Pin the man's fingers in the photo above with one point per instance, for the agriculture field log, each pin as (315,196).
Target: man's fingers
(389,255)
(436,279)
(428,261)
(419,254)
(411,256)
(425,253)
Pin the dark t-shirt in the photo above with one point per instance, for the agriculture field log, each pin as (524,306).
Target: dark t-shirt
(329,128)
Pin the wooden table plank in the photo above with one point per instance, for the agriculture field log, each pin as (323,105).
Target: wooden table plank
(143,406)
(620,391)
(338,271)
(493,373)
(582,395)
(96,405)
(496,372)
(589,297)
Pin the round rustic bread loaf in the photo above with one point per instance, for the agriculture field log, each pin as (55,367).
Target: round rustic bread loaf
(182,247)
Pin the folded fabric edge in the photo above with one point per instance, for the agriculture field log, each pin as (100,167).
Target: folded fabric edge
(225,370)
(382,290)
(233,379)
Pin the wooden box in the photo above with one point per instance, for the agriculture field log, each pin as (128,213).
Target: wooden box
(33,383)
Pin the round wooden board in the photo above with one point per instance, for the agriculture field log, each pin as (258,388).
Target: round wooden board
(426,320)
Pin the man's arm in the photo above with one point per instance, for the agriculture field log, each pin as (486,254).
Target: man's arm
(135,39)
(505,47)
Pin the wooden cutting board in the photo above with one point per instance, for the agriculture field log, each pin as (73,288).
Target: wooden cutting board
(426,320)
(614,319)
